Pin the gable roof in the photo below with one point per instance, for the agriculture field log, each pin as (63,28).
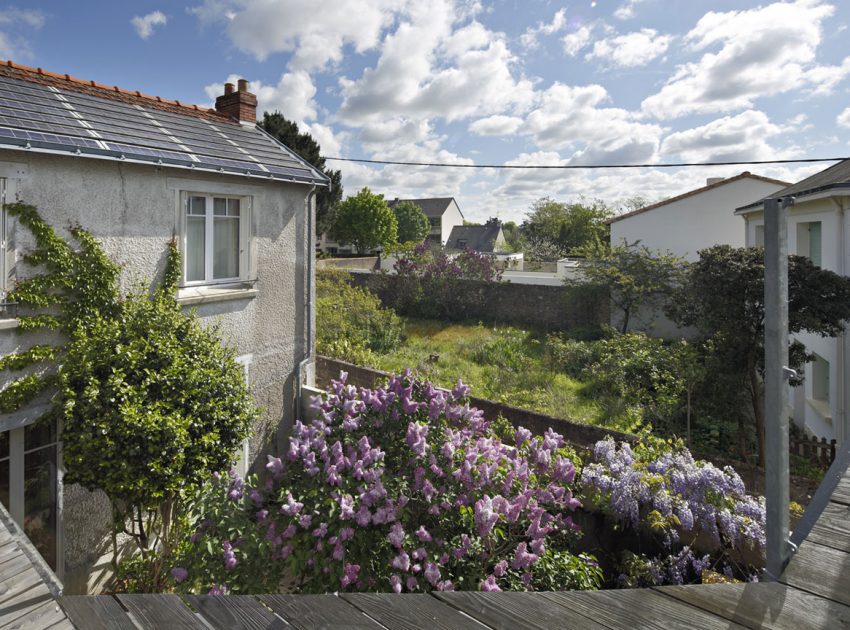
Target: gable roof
(697,191)
(432,207)
(836,177)
(479,238)
(45,112)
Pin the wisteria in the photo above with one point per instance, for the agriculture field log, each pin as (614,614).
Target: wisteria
(404,488)
(672,492)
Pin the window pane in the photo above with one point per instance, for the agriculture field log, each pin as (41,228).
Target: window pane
(4,444)
(40,501)
(219,207)
(815,242)
(195,248)
(233,207)
(39,434)
(197,206)
(4,483)
(226,248)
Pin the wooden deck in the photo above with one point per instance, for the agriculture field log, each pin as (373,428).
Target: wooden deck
(814,592)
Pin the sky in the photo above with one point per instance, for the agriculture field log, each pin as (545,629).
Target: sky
(515,82)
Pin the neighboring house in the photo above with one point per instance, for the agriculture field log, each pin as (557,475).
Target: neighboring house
(442,212)
(696,219)
(486,239)
(138,171)
(818,227)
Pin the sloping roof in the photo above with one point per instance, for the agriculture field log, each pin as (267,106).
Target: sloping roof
(835,177)
(697,191)
(46,112)
(479,238)
(432,207)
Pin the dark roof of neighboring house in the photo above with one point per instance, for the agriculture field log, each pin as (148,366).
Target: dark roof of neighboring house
(697,191)
(45,112)
(432,207)
(479,238)
(835,177)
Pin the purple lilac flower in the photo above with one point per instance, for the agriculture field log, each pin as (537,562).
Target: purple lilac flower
(179,574)
(489,585)
(219,589)
(349,575)
(228,555)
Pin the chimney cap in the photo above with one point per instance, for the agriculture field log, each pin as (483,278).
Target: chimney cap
(243,85)
(228,88)
(713,180)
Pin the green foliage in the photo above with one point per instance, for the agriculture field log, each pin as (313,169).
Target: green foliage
(327,199)
(413,225)
(553,229)
(351,322)
(366,221)
(723,296)
(636,276)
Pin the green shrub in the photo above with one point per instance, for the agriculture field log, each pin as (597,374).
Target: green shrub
(568,355)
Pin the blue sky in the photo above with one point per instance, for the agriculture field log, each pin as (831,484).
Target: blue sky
(501,81)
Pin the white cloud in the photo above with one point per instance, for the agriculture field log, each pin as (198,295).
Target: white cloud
(762,52)
(574,42)
(146,24)
(293,96)
(632,49)
(732,138)
(843,119)
(529,39)
(14,45)
(264,27)
(626,11)
(496,125)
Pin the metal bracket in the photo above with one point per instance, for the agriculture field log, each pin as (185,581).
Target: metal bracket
(789,373)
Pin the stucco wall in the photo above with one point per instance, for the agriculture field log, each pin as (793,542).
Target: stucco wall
(134,211)
(451,217)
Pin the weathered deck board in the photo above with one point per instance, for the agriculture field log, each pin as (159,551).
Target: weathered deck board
(765,605)
(310,612)
(18,583)
(98,612)
(842,491)
(45,616)
(833,527)
(637,608)
(237,612)
(16,609)
(820,570)
(409,612)
(507,611)
(165,612)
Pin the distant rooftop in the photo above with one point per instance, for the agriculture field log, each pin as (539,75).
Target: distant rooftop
(432,207)
(479,238)
(836,177)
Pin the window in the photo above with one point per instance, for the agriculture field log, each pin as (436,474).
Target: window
(759,236)
(215,239)
(29,484)
(3,247)
(809,241)
(461,243)
(820,379)
(435,223)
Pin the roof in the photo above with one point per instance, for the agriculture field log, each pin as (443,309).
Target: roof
(45,112)
(479,238)
(698,191)
(432,207)
(836,177)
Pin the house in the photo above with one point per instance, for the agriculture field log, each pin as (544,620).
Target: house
(486,239)
(696,219)
(818,227)
(137,171)
(443,213)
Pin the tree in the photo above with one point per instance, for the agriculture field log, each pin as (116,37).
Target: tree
(413,225)
(366,221)
(513,236)
(635,275)
(723,296)
(553,229)
(327,199)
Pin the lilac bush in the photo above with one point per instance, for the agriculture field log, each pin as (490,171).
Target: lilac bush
(402,489)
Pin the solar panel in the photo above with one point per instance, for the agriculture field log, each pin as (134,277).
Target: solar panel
(40,117)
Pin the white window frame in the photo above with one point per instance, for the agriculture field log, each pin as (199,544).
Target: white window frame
(243,455)
(245,207)
(3,245)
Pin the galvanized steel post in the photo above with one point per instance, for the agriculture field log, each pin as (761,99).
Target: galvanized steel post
(776,383)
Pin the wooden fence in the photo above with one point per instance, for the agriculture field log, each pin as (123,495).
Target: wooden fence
(818,452)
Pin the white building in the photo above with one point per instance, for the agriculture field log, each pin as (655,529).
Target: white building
(696,219)
(818,225)
(442,212)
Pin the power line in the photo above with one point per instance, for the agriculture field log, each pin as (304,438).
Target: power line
(584,166)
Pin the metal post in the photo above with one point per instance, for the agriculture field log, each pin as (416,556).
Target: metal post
(775,383)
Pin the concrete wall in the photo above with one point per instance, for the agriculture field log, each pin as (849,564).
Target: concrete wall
(693,223)
(134,210)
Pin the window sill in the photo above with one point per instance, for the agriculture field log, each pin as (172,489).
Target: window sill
(193,296)
(821,407)
(8,324)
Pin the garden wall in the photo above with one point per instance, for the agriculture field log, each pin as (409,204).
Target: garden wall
(542,307)
(583,435)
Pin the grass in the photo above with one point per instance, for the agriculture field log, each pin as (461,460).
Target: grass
(504,364)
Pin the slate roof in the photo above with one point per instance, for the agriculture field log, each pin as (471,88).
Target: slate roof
(432,207)
(479,238)
(45,112)
(697,191)
(836,177)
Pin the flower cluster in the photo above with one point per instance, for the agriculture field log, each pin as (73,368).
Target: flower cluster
(466,265)
(678,568)
(405,488)
(672,492)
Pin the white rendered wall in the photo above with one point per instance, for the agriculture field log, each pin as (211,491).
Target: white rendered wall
(451,218)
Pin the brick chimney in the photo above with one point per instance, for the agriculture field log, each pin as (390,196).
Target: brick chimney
(240,105)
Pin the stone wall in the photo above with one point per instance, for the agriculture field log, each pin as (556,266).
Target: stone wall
(544,307)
